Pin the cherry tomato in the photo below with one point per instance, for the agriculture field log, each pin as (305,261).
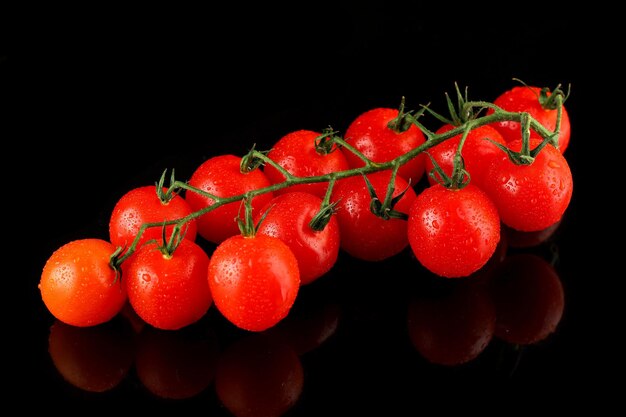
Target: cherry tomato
(176,365)
(288,219)
(370,134)
(363,234)
(453,328)
(297,153)
(143,205)
(78,284)
(478,152)
(95,358)
(221,176)
(453,232)
(259,376)
(529,299)
(254,280)
(169,291)
(526,99)
(531,197)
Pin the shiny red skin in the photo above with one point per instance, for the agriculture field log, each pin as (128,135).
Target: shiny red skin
(78,284)
(364,235)
(453,232)
(531,197)
(526,99)
(142,205)
(169,293)
(288,219)
(222,177)
(369,133)
(297,154)
(254,280)
(478,152)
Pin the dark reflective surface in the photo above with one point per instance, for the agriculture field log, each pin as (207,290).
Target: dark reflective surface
(116,101)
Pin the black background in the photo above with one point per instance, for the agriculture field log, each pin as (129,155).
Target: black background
(105,100)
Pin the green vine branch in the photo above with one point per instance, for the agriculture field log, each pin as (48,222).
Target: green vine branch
(254,159)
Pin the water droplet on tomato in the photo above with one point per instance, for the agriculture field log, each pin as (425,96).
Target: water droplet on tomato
(146,277)
(435,224)
(553,164)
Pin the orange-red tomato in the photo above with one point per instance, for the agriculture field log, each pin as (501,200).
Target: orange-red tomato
(78,284)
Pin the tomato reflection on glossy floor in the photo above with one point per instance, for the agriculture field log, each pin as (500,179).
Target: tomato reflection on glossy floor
(346,329)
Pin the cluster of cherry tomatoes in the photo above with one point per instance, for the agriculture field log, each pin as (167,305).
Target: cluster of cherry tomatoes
(256,270)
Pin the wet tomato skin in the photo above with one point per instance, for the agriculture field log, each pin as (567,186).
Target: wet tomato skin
(531,197)
(254,280)
(169,293)
(221,176)
(143,205)
(288,217)
(453,232)
(79,286)
(370,134)
(526,99)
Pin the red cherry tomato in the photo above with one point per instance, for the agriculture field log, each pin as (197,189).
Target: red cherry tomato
(143,205)
(297,153)
(531,197)
(259,376)
(529,299)
(526,99)
(288,219)
(78,284)
(95,358)
(454,328)
(364,235)
(169,292)
(453,232)
(176,365)
(221,176)
(478,152)
(254,280)
(370,134)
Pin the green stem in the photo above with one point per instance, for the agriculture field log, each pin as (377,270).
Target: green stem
(433,139)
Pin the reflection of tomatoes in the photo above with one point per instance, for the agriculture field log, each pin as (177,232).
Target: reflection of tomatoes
(529,299)
(258,376)
(176,364)
(307,328)
(519,239)
(94,359)
(454,328)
